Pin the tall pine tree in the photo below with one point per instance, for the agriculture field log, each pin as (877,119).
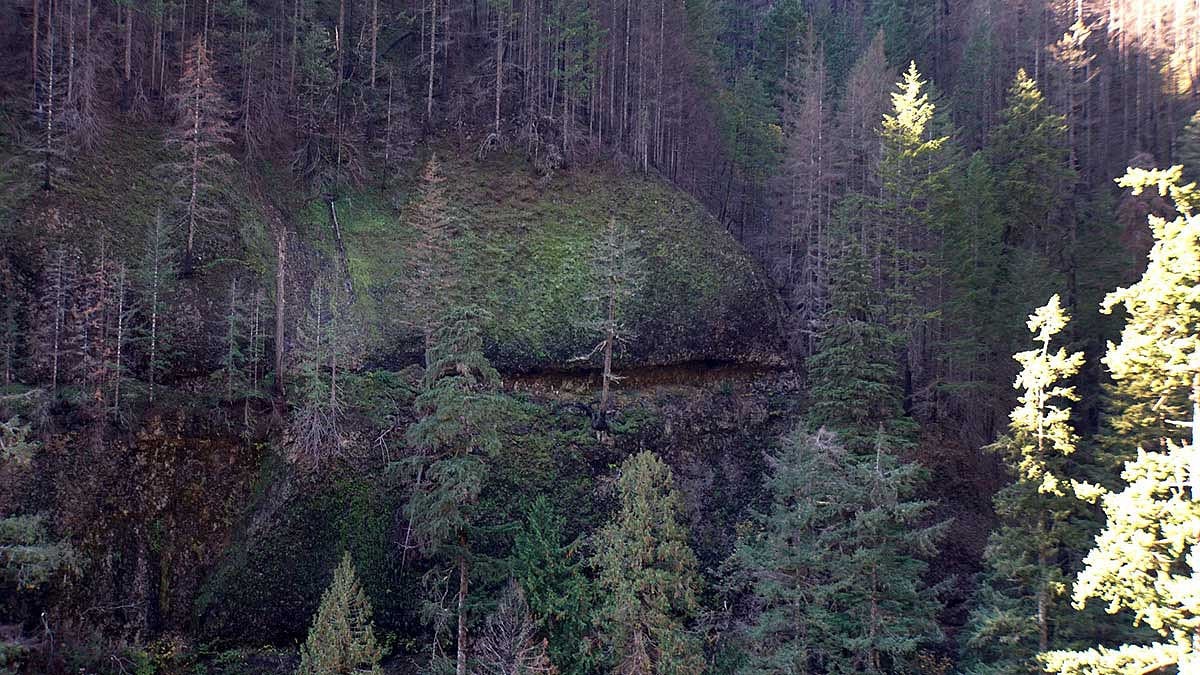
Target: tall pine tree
(1145,560)
(1019,611)
(342,638)
(459,409)
(647,576)
(835,567)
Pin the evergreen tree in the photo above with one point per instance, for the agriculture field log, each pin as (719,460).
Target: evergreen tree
(1029,557)
(459,409)
(559,596)
(155,277)
(906,227)
(342,638)
(616,267)
(29,556)
(1145,559)
(647,576)
(1030,159)
(835,567)
(970,379)
(854,379)
(909,25)
(1187,149)
(200,137)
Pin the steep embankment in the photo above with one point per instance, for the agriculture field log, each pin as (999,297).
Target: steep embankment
(523,253)
(704,386)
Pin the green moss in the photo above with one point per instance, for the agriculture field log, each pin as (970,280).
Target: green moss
(523,249)
(273,579)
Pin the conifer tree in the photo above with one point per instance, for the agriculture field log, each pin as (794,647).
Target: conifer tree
(1187,149)
(854,379)
(909,145)
(618,274)
(1030,158)
(970,380)
(155,277)
(29,555)
(341,640)
(909,25)
(647,576)
(835,567)
(559,596)
(908,221)
(1019,612)
(1145,559)
(460,409)
(200,137)
(509,644)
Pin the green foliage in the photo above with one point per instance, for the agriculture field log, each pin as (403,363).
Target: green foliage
(342,638)
(1030,157)
(459,410)
(550,572)
(909,26)
(973,248)
(835,568)
(1030,556)
(647,576)
(854,389)
(29,556)
(778,43)
(1187,149)
(271,579)
(1145,559)
(913,170)
(1150,364)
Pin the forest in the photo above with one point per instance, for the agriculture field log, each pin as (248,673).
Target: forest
(644,337)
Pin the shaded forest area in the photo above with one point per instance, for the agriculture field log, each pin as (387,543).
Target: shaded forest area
(583,336)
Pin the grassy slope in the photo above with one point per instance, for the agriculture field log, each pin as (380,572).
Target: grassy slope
(524,248)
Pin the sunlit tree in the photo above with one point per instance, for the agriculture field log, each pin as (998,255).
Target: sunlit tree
(1146,558)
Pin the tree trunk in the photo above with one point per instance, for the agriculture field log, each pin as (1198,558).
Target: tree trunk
(432,60)
(37,15)
(1194,469)
(280,270)
(374,39)
(500,24)
(461,660)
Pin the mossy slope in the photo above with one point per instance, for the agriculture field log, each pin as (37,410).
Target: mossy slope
(523,249)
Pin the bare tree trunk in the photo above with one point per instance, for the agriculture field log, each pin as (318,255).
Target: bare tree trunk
(280,272)
(120,341)
(432,60)
(461,660)
(500,25)
(374,39)
(37,15)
